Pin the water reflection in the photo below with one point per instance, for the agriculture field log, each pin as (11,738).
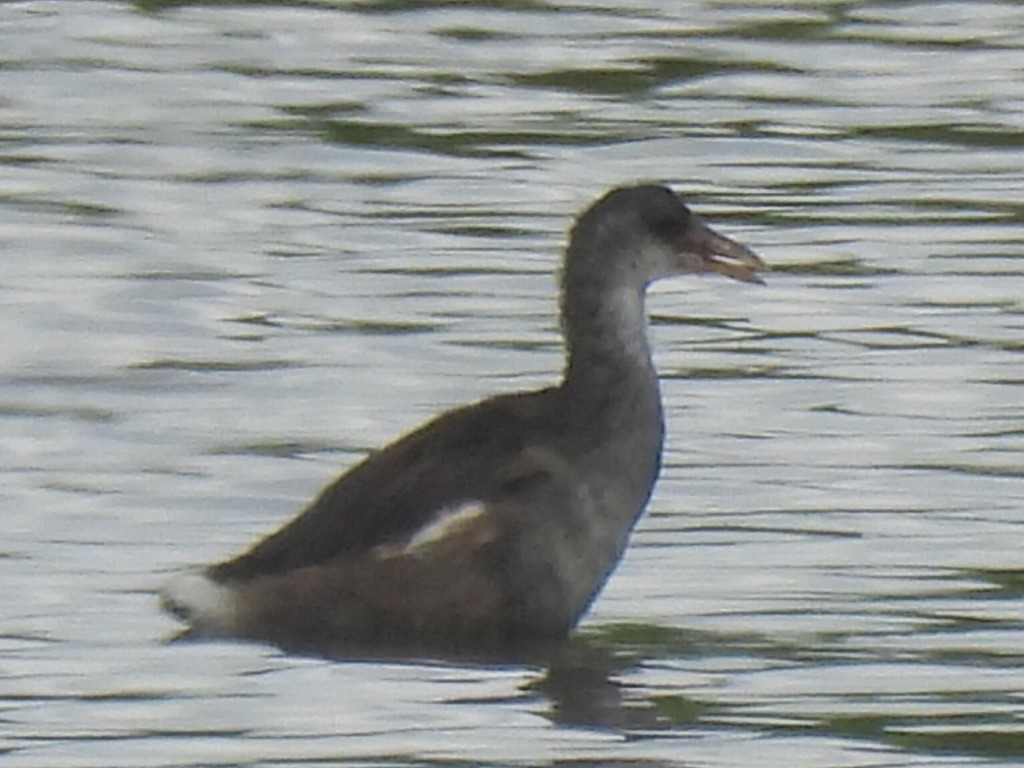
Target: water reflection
(891,688)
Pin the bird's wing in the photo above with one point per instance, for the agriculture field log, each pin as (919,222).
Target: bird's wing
(410,491)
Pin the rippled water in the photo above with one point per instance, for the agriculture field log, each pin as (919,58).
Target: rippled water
(243,244)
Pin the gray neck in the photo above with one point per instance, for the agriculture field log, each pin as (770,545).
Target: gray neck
(612,406)
(610,381)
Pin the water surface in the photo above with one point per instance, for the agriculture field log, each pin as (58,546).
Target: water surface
(243,244)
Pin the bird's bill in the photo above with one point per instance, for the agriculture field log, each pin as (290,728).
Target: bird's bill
(717,253)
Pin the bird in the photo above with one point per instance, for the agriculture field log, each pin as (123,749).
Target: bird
(496,524)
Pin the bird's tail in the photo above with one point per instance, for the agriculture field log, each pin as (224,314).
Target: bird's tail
(207,607)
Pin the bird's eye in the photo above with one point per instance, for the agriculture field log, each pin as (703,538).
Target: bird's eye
(667,223)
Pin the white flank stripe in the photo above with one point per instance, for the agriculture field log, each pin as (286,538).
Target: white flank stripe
(447,522)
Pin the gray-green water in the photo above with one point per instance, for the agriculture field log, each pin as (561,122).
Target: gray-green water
(242,244)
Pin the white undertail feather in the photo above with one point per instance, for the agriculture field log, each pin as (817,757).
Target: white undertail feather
(201,602)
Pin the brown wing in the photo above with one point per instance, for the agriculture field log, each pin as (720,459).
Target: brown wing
(391,494)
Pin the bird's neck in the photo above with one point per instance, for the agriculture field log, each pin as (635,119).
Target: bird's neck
(611,405)
(609,373)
